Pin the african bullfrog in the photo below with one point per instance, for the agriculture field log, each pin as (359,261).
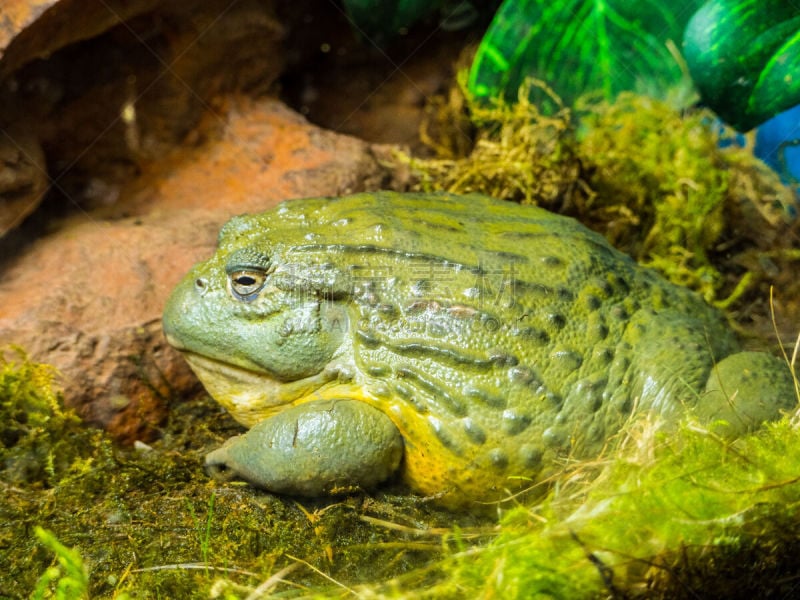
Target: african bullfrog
(466,343)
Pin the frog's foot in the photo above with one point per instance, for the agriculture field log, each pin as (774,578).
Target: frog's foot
(312,449)
(744,390)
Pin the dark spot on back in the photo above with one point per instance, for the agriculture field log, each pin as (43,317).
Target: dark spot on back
(502,359)
(404,391)
(619,312)
(569,359)
(531,333)
(531,288)
(511,233)
(498,458)
(603,287)
(378,371)
(531,456)
(443,227)
(621,283)
(367,339)
(511,257)
(603,354)
(436,391)
(566,294)
(600,331)
(521,375)
(557,320)
(514,423)
(421,306)
(551,261)
(593,302)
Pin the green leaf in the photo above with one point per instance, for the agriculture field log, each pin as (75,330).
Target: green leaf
(744,56)
(582,46)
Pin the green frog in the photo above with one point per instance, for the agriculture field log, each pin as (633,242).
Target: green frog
(466,344)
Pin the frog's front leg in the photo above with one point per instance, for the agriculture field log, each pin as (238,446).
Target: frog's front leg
(312,449)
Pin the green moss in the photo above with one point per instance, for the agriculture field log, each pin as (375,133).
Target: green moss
(682,184)
(509,151)
(35,445)
(680,514)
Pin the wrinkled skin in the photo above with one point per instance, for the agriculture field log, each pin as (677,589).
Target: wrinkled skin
(482,340)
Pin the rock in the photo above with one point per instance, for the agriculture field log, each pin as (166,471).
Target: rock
(23,175)
(104,86)
(88,297)
(32,29)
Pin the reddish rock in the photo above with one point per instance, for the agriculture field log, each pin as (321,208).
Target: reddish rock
(23,175)
(262,153)
(88,297)
(98,88)
(32,29)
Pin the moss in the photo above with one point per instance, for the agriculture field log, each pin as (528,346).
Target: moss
(69,579)
(38,438)
(685,184)
(515,152)
(679,514)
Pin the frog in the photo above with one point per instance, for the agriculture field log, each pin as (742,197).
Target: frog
(461,345)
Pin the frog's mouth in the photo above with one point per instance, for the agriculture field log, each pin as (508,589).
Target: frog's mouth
(249,395)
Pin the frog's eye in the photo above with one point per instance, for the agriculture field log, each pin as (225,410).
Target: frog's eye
(246,283)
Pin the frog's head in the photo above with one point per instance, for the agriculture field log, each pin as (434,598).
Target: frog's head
(256,328)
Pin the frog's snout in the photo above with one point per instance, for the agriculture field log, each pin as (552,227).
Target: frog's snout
(217,466)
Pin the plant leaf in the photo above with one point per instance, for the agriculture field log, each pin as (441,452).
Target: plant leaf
(581,46)
(744,56)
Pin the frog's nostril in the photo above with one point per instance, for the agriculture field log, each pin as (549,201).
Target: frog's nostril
(201,285)
(219,470)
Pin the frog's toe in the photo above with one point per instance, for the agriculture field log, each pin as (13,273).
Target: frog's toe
(312,449)
(744,390)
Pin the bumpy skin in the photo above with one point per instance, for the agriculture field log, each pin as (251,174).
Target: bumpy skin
(497,339)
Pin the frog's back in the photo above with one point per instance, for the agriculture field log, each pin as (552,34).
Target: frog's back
(470,229)
(495,336)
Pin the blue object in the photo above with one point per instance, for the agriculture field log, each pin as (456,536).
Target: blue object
(775,138)
(778,145)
